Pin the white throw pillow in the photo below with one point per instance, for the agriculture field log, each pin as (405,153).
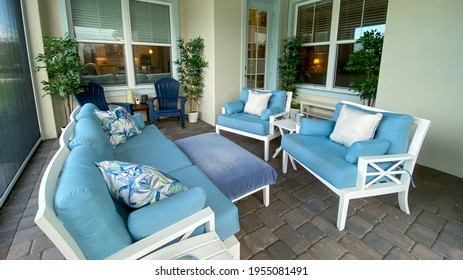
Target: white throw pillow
(256,103)
(354,125)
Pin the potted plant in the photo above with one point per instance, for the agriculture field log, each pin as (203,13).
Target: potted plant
(63,66)
(190,68)
(289,66)
(367,61)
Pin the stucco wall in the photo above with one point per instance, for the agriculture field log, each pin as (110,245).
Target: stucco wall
(421,73)
(219,24)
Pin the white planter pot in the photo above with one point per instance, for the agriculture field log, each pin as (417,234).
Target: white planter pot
(192,117)
(293,112)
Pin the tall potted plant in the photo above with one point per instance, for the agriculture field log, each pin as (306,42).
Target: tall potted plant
(63,66)
(190,67)
(289,66)
(367,61)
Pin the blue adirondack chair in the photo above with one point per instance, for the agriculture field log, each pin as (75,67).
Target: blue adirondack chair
(167,97)
(94,93)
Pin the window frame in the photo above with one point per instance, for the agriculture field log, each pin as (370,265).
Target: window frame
(128,42)
(329,89)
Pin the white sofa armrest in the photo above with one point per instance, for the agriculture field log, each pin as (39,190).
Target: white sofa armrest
(399,167)
(181,229)
(283,115)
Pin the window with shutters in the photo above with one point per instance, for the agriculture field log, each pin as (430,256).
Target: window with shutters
(123,42)
(329,29)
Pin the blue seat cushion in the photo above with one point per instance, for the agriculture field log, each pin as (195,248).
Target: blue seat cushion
(155,217)
(245,122)
(233,170)
(394,127)
(150,134)
(226,213)
(163,155)
(85,207)
(323,156)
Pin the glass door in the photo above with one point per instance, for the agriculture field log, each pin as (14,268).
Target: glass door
(257,34)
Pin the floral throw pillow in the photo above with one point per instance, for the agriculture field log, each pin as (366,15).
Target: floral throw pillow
(118,124)
(137,185)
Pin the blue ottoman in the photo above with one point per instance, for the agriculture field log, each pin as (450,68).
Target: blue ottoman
(235,171)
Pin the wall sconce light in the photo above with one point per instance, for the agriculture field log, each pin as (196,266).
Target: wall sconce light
(316,61)
(150,51)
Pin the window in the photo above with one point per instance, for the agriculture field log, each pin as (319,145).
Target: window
(130,46)
(19,125)
(329,29)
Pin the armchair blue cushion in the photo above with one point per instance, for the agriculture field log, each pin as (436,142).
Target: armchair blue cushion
(388,168)
(167,97)
(336,163)
(276,102)
(94,93)
(394,127)
(234,107)
(235,118)
(316,127)
(265,116)
(366,148)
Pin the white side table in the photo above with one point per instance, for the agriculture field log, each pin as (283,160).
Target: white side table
(287,126)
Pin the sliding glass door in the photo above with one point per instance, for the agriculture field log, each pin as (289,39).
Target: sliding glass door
(19,128)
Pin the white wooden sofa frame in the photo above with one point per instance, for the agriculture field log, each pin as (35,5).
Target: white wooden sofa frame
(399,174)
(274,132)
(149,247)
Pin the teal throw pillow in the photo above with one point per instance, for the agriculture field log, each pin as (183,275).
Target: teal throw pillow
(313,127)
(118,124)
(375,147)
(137,185)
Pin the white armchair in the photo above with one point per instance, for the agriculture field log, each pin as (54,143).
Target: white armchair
(233,118)
(382,165)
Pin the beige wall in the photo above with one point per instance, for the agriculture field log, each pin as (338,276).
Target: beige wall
(219,24)
(228,42)
(421,73)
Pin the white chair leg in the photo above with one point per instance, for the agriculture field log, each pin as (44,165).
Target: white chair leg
(266,196)
(342,212)
(266,149)
(285,162)
(403,201)
(217,130)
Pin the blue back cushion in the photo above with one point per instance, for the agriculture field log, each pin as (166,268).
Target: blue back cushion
(88,131)
(278,98)
(85,207)
(394,127)
(87,111)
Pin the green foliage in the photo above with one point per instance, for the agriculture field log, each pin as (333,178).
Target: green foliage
(190,68)
(367,60)
(289,64)
(62,63)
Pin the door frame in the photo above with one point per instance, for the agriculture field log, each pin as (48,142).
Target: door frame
(273,40)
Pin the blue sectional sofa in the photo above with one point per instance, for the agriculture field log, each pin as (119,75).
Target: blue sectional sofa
(101,225)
